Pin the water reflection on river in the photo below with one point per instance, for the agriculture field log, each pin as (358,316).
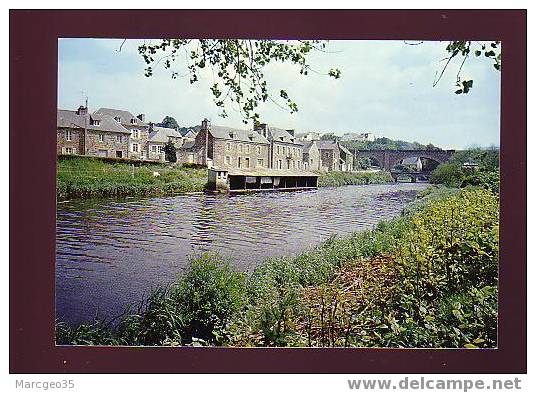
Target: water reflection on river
(110,253)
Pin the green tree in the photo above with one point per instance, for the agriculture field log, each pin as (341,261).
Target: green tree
(237,67)
(169,122)
(329,137)
(363,163)
(170,151)
(463,50)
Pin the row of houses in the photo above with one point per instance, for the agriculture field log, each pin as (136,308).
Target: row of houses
(118,133)
(114,133)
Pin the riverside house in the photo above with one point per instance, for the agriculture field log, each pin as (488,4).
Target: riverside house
(229,147)
(311,156)
(286,152)
(138,129)
(335,157)
(98,134)
(158,137)
(112,133)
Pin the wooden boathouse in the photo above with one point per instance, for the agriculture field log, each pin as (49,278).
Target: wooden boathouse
(260,179)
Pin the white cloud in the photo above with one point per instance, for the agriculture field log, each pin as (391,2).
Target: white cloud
(386,88)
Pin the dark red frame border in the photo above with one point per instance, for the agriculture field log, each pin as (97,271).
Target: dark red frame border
(33,91)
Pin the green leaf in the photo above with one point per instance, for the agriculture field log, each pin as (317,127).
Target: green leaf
(478,53)
(469,345)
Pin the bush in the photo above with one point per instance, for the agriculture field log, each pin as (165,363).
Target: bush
(427,279)
(449,174)
(209,296)
(336,179)
(193,165)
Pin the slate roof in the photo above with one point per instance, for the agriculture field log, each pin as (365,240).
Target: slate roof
(162,134)
(125,116)
(187,145)
(266,172)
(327,145)
(280,135)
(344,149)
(71,119)
(307,145)
(221,132)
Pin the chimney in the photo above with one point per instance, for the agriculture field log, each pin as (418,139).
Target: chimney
(82,110)
(141,116)
(205,124)
(261,128)
(291,132)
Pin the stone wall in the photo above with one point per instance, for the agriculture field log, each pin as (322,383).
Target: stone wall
(238,154)
(75,143)
(313,158)
(141,142)
(329,159)
(113,143)
(286,156)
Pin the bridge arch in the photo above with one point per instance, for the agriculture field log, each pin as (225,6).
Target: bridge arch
(389,158)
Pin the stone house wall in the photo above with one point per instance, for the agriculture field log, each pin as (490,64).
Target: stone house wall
(329,159)
(107,144)
(229,153)
(141,141)
(312,158)
(286,155)
(76,142)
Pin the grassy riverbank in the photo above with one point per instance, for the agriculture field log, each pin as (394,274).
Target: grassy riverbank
(337,179)
(426,279)
(83,177)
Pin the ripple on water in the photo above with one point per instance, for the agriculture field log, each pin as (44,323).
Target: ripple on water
(111,252)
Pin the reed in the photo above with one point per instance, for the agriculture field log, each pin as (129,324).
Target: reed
(426,279)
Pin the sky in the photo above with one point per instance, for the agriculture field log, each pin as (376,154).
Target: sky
(385,88)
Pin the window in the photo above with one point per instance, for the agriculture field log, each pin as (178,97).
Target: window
(260,162)
(228,146)
(241,148)
(227,160)
(258,150)
(278,152)
(279,164)
(135,134)
(160,149)
(133,121)
(153,148)
(68,150)
(68,135)
(247,162)
(284,149)
(101,137)
(94,122)
(247,148)
(117,119)
(119,138)
(135,147)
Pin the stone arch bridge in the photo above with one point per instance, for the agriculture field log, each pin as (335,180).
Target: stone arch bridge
(388,159)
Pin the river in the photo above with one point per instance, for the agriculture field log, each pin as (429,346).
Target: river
(111,252)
